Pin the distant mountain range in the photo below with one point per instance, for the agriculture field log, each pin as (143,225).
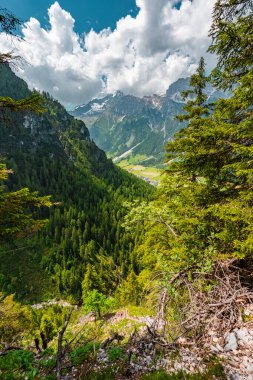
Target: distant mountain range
(133,128)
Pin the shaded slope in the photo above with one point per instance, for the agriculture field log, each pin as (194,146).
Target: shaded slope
(53,153)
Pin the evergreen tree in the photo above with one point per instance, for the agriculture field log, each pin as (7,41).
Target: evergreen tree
(232,40)
(196,96)
(15,219)
(96,302)
(15,320)
(202,213)
(48,327)
(17,210)
(90,281)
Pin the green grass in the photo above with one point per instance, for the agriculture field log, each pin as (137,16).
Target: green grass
(152,173)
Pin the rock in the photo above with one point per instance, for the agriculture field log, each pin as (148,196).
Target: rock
(213,348)
(235,377)
(250,368)
(248,310)
(148,359)
(231,342)
(243,335)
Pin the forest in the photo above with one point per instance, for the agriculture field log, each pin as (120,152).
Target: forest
(103,276)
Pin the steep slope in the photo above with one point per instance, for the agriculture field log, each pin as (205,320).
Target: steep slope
(135,128)
(53,153)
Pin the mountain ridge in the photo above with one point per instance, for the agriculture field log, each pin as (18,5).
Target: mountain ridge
(126,126)
(52,153)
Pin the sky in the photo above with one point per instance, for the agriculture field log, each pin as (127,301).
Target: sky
(81,49)
(96,14)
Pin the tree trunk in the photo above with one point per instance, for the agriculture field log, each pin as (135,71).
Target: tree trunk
(60,348)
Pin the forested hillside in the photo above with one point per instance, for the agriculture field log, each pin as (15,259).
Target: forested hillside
(52,153)
(139,283)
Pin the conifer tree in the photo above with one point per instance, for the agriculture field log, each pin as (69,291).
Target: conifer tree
(17,216)
(196,96)
(206,199)
(90,281)
(8,25)
(17,210)
(232,40)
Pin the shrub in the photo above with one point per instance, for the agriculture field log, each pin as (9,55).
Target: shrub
(17,364)
(49,363)
(114,353)
(79,355)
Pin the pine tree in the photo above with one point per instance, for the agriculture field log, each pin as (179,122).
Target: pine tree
(196,96)
(90,281)
(16,214)
(17,211)
(232,40)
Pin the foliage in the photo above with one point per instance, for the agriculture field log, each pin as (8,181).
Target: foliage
(232,37)
(114,353)
(129,291)
(15,319)
(50,377)
(8,21)
(80,354)
(33,103)
(14,218)
(195,107)
(48,320)
(17,364)
(58,157)
(95,301)
(202,212)
(17,210)
(48,327)
(48,363)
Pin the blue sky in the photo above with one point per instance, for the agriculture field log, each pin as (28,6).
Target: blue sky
(98,14)
(150,44)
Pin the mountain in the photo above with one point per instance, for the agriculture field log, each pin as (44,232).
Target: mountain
(52,153)
(137,129)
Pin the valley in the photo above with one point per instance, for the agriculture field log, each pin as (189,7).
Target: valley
(148,173)
(137,129)
(126,224)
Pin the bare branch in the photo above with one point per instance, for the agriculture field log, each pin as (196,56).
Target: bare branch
(60,348)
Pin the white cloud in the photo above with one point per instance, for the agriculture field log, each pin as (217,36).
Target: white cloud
(143,55)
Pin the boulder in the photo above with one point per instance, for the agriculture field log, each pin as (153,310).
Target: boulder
(231,343)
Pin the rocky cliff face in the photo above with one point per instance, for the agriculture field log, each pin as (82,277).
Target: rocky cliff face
(53,133)
(135,128)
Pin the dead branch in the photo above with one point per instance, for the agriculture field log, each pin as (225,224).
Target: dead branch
(68,344)
(9,348)
(113,336)
(60,348)
(218,309)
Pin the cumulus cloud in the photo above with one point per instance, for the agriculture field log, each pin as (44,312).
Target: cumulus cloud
(141,56)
